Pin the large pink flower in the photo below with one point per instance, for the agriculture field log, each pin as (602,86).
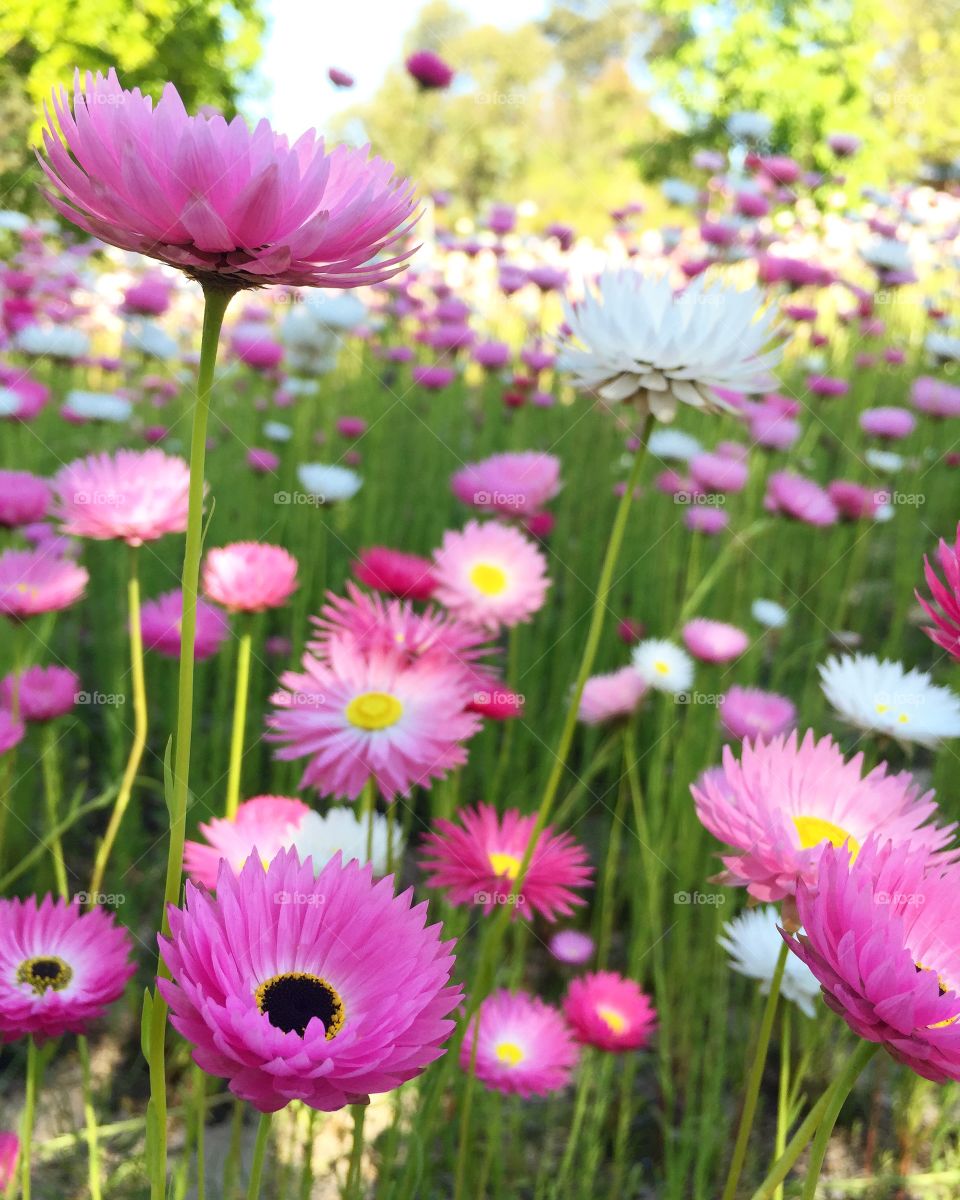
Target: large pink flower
(523,1046)
(943,608)
(320,989)
(59,967)
(782,801)
(878,934)
(478,860)
(490,575)
(36,581)
(137,496)
(266,824)
(249,576)
(224,203)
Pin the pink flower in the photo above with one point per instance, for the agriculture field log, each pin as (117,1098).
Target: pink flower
(148,297)
(264,462)
(265,824)
(490,575)
(34,581)
(218,200)
(612,696)
(714,641)
(890,423)
(351,427)
(9,1153)
(704,518)
(137,496)
(360,716)
(24,498)
(610,1012)
(429,70)
(935,397)
(340,78)
(11,731)
(249,576)
(877,934)
(477,861)
(571,946)
(491,355)
(843,144)
(60,968)
(782,801)
(943,607)
(825,385)
(516,483)
(800,498)
(773,429)
(753,713)
(160,624)
(406,576)
(43,693)
(523,1046)
(294,987)
(433,378)
(853,501)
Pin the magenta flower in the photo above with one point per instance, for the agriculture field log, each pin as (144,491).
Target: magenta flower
(523,1046)
(477,861)
(265,824)
(429,70)
(490,575)
(718,473)
(943,607)
(249,576)
(754,713)
(136,496)
(34,581)
(43,693)
(610,1012)
(60,968)
(572,947)
(888,422)
(800,498)
(9,1153)
(293,987)
(11,731)
(225,204)
(516,483)
(714,641)
(160,625)
(935,397)
(339,78)
(877,934)
(782,801)
(24,498)
(611,697)
(406,576)
(853,501)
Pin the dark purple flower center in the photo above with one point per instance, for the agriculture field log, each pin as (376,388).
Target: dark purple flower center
(291,1001)
(44,974)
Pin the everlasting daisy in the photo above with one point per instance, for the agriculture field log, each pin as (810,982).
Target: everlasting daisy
(635,339)
(33,582)
(24,498)
(754,713)
(160,625)
(516,483)
(83,406)
(249,576)
(11,731)
(347,832)
(523,1046)
(943,607)
(571,946)
(406,576)
(769,613)
(373,716)
(478,860)
(266,824)
(43,693)
(879,936)
(293,986)
(610,1012)
(134,496)
(753,942)
(490,575)
(714,641)
(784,800)
(330,484)
(881,696)
(609,697)
(663,665)
(9,1153)
(60,968)
(223,203)
(800,498)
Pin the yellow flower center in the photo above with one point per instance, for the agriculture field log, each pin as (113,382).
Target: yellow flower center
(509,1053)
(46,973)
(661,667)
(505,864)
(488,579)
(882,709)
(611,1018)
(814,831)
(374,710)
(944,988)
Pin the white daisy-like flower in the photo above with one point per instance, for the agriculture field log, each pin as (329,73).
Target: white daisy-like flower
(749,126)
(276,431)
(769,613)
(345,830)
(887,461)
(944,347)
(673,445)
(887,254)
(329,482)
(53,341)
(753,942)
(633,339)
(9,402)
(884,513)
(147,337)
(336,309)
(678,191)
(881,696)
(97,406)
(663,665)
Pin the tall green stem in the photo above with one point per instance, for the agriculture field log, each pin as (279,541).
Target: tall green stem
(354,1190)
(51,796)
(29,1116)
(818,1151)
(139,732)
(215,305)
(259,1155)
(783,1091)
(90,1121)
(754,1078)
(239,721)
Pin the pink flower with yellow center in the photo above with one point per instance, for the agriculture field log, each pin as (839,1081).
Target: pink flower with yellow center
(523,1046)
(36,581)
(490,575)
(610,1012)
(265,824)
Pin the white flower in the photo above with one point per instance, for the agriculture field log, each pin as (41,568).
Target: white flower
(632,338)
(663,665)
(884,697)
(677,191)
(753,943)
(345,830)
(943,346)
(329,483)
(769,613)
(887,254)
(673,444)
(336,309)
(9,402)
(300,387)
(15,221)
(887,461)
(749,126)
(148,338)
(53,341)
(884,513)
(276,431)
(97,406)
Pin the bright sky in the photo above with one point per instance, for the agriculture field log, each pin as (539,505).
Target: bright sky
(361,37)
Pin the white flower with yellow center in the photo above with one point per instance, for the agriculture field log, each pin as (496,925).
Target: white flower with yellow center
(663,665)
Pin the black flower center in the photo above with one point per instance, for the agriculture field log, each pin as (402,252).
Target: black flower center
(44,974)
(291,1001)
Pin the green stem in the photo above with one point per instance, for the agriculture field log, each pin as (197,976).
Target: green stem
(200,1118)
(368,810)
(783,1092)
(90,1120)
(29,1116)
(215,305)
(354,1188)
(818,1150)
(466,1109)
(259,1155)
(51,795)
(239,722)
(754,1078)
(139,733)
(584,1091)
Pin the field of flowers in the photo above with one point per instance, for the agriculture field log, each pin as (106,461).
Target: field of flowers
(477,715)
